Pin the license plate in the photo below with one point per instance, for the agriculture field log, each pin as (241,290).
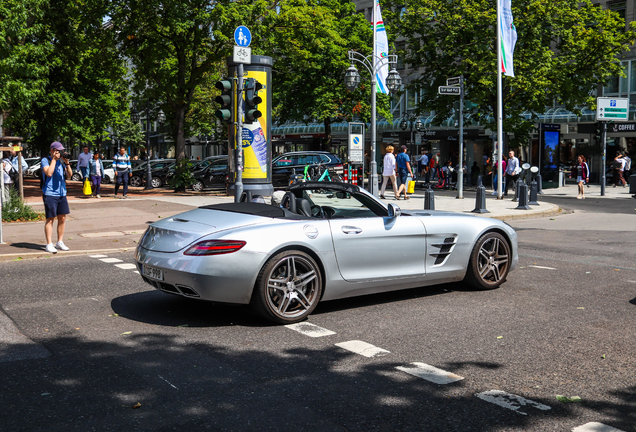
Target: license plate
(153,272)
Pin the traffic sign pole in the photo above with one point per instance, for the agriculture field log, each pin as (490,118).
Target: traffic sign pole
(460,173)
(603,158)
(238,186)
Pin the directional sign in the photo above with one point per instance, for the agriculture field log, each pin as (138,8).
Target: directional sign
(455,81)
(242,55)
(242,36)
(449,90)
(616,109)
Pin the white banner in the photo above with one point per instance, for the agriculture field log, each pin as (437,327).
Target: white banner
(381,49)
(508,38)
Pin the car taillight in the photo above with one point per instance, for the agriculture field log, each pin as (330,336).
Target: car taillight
(215,247)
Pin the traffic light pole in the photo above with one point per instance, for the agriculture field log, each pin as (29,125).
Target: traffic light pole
(238,186)
(604,157)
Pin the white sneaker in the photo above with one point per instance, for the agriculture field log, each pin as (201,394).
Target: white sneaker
(493,193)
(61,246)
(98,196)
(50,248)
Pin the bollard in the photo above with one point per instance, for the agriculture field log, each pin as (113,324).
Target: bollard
(429,199)
(523,198)
(533,193)
(480,198)
(539,184)
(517,185)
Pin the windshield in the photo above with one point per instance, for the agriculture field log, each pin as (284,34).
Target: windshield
(339,204)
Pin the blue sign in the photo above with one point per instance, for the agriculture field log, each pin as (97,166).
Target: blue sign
(242,36)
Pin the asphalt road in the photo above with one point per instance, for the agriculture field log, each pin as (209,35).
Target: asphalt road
(563,324)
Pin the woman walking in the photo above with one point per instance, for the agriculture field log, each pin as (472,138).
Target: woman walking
(96,171)
(582,175)
(388,173)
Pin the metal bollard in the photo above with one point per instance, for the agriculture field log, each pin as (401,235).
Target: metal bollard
(429,198)
(539,184)
(533,193)
(523,198)
(480,198)
(517,185)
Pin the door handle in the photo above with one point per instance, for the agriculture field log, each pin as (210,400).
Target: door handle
(351,230)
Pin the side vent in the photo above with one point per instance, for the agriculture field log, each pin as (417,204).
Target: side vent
(444,250)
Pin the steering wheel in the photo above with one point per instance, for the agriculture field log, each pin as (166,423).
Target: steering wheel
(289,202)
(316,211)
(328,212)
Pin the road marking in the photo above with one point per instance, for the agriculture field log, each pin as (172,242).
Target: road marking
(510,401)
(542,267)
(111,260)
(126,266)
(98,256)
(136,272)
(310,330)
(168,382)
(430,373)
(363,348)
(595,427)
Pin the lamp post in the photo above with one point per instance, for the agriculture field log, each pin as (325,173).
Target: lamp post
(136,117)
(373,63)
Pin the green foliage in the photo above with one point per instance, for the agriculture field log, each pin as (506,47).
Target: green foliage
(565,49)
(15,210)
(129,132)
(182,177)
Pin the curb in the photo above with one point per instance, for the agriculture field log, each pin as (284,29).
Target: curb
(43,254)
(551,212)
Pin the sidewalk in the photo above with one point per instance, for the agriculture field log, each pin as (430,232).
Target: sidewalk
(109,224)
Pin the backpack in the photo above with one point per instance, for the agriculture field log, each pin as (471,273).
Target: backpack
(617,164)
(13,174)
(42,172)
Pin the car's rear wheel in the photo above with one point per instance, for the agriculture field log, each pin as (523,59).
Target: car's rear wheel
(156,182)
(489,262)
(198,186)
(288,288)
(106,179)
(76,177)
(135,181)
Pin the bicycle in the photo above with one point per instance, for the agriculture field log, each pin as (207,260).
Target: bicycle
(325,174)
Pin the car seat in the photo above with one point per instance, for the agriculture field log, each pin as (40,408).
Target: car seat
(303,207)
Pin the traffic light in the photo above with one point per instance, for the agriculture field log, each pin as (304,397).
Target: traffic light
(598,132)
(225,100)
(252,100)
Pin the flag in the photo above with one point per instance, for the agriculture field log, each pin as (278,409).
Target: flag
(381,49)
(508,38)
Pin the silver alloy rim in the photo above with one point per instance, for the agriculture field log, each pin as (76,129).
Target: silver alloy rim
(493,260)
(292,287)
(156,182)
(197,186)
(135,181)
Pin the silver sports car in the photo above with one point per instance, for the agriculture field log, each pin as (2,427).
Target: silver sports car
(323,241)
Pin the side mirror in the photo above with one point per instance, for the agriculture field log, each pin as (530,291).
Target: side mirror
(394,210)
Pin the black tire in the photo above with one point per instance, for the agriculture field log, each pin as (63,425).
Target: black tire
(156,182)
(489,262)
(198,186)
(135,181)
(76,177)
(288,288)
(106,179)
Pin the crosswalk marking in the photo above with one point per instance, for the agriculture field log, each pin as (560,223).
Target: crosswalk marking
(510,401)
(98,256)
(126,266)
(542,267)
(430,373)
(111,260)
(310,330)
(363,348)
(595,427)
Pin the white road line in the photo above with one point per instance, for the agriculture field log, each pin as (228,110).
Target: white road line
(363,348)
(510,401)
(111,260)
(136,272)
(430,373)
(542,267)
(595,427)
(98,256)
(310,330)
(126,266)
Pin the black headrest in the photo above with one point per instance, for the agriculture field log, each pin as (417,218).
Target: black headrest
(303,207)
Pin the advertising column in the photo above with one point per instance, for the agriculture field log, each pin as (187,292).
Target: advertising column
(256,137)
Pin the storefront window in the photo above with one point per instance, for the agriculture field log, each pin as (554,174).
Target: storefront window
(624,82)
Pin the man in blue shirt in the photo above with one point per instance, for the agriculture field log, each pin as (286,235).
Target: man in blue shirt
(54,196)
(403,162)
(83,160)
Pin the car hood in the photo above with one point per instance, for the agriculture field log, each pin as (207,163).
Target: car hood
(176,232)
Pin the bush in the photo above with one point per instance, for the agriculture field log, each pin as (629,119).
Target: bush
(182,177)
(14,209)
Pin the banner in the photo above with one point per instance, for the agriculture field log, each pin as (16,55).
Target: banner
(255,137)
(381,49)
(508,38)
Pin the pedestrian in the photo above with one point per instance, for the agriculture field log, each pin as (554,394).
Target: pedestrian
(513,169)
(388,172)
(619,167)
(628,167)
(582,175)
(403,162)
(495,171)
(96,172)
(424,166)
(54,167)
(6,167)
(83,160)
(474,174)
(122,167)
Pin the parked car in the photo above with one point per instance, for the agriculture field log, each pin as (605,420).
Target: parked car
(314,246)
(290,163)
(34,169)
(159,169)
(212,175)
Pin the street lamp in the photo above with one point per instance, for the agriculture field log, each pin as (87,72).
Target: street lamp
(373,63)
(161,117)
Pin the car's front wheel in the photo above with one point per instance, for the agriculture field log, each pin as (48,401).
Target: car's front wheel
(135,181)
(76,177)
(288,288)
(106,179)
(489,262)
(198,186)
(156,182)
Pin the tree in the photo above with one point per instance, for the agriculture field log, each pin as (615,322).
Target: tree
(565,49)
(311,40)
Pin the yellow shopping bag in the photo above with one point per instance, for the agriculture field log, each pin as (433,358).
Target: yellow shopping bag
(411,187)
(87,187)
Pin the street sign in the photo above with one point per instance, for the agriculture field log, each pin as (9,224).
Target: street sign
(616,109)
(455,81)
(242,36)
(449,90)
(242,55)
